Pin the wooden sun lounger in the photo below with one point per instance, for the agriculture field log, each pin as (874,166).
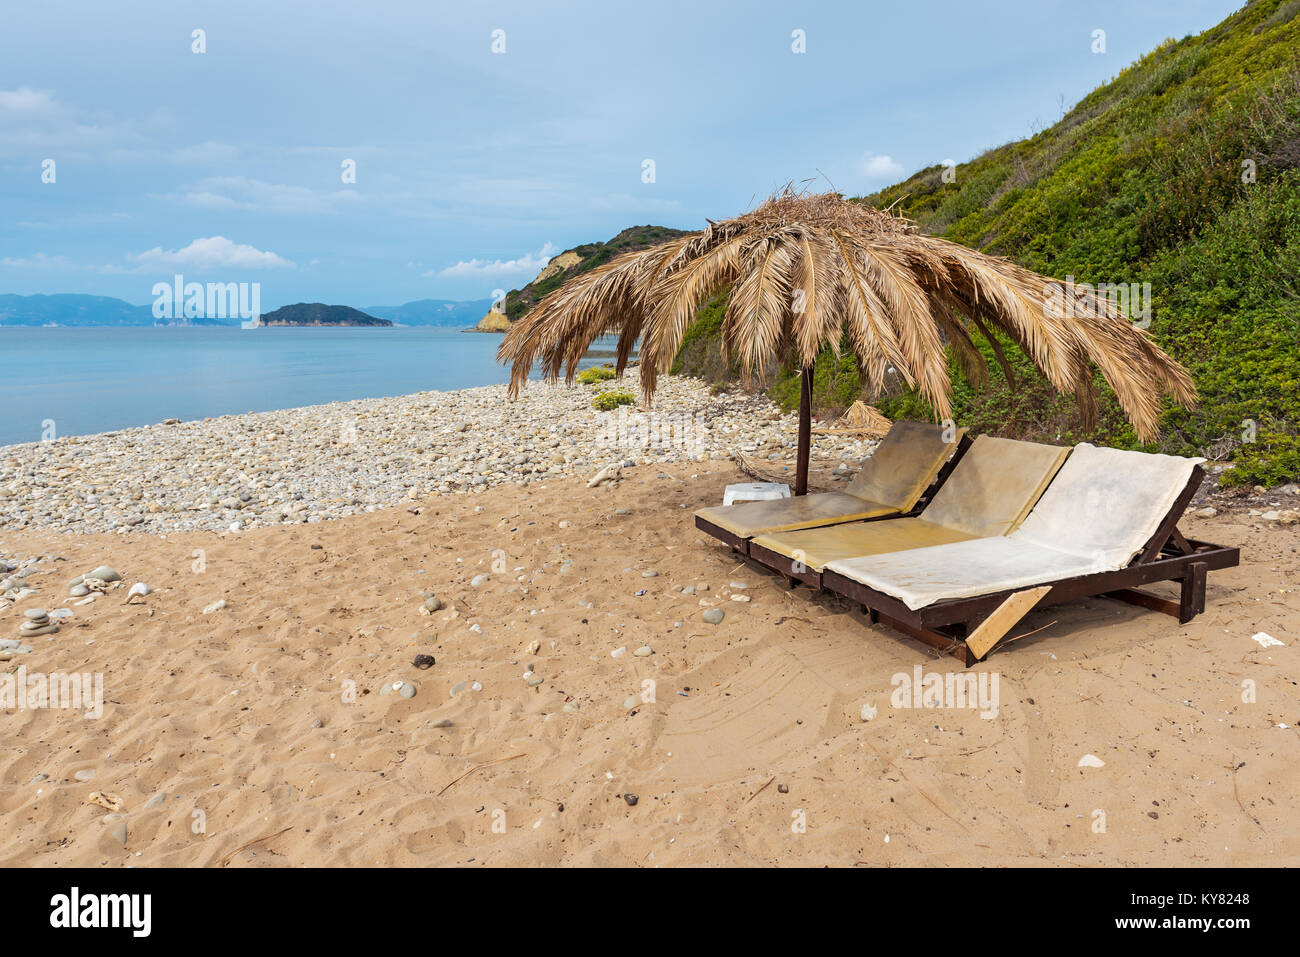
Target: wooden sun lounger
(988,493)
(969,627)
(913,503)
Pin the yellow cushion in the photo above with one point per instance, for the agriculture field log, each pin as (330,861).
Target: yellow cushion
(802,511)
(816,547)
(890,480)
(989,493)
(904,464)
(994,486)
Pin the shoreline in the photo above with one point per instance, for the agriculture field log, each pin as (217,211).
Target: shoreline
(319,462)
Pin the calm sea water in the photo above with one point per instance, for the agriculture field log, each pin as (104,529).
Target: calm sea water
(97,379)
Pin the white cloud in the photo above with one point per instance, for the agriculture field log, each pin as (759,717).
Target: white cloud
(210,253)
(26,100)
(529,264)
(34,120)
(876,167)
(240,192)
(75,221)
(206,153)
(38,261)
(628,203)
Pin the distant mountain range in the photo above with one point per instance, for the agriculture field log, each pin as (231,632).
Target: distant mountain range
(433,312)
(72,309)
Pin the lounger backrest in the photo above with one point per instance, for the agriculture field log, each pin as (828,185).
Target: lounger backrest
(1106,503)
(994,486)
(904,464)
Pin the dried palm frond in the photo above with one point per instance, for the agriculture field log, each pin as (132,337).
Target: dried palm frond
(810,271)
(859,419)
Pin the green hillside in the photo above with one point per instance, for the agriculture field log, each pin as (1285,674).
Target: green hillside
(583,258)
(1182,172)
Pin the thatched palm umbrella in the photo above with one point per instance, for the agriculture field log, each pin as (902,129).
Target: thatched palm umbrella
(807,272)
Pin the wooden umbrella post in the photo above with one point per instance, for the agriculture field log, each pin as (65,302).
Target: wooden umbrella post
(805,431)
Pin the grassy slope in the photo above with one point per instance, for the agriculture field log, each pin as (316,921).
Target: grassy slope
(519,301)
(1142,182)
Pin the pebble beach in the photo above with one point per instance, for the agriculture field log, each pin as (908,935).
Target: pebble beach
(328,461)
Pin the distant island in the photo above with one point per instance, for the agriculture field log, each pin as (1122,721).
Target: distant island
(319,314)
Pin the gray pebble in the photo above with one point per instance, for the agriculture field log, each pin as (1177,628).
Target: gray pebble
(713,615)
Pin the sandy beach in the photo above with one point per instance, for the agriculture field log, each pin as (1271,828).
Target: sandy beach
(579,710)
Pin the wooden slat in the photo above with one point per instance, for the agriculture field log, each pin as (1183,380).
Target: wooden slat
(784,565)
(994,628)
(721,534)
(1177,538)
(1144,598)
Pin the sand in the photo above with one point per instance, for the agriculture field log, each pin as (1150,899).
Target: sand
(754,750)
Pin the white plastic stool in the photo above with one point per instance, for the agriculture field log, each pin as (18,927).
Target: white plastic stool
(755,492)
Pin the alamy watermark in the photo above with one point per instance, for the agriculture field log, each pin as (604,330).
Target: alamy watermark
(1078,300)
(622,429)
(179,299)
(58,690)
(961,689)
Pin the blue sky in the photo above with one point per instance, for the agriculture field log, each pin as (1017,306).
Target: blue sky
(473,167)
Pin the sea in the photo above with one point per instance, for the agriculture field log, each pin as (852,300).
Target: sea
(76,381)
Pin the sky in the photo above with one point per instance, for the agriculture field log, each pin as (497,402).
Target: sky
(487,137)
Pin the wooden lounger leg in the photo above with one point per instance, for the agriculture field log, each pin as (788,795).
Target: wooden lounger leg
(1192,600)
(1134,596)
(994,628)
(947,644)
